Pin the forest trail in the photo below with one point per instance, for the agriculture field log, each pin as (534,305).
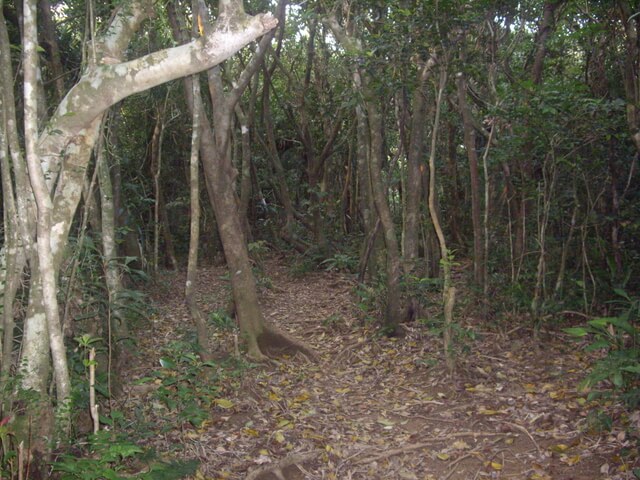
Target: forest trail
(373,407)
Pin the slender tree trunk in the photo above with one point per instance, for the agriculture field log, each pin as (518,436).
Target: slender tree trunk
(361,83)
(116,322)
(415,168)
(470,146)
(274,157)
(156,169)
(393,314)
(169,249)
(368,257)
(485,221)
(455,198)
(194,235)
(521,200)
(545,194)
(246,123)
(567,244)
(13,255)
(544,31)
(631,25)
(448,289)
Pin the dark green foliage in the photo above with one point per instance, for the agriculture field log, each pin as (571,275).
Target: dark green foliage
(222,321)
(15,400)
(108,456)
(88,300)
(618,337)
(188,386)
(340,262)
(371,300)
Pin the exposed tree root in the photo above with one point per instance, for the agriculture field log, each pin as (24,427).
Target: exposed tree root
(273,343)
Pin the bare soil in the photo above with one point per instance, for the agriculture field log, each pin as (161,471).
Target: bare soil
(382,408)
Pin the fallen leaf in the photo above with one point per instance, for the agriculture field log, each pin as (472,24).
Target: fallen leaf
(274,397)
(386,422)
(572,460)
(224,403)
(559,448)
(303,397)
(460,445)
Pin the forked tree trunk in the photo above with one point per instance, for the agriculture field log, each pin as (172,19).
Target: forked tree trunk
(59,157)
(46,265)
(262,339)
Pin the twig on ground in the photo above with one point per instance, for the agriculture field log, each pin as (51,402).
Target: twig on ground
(344,350)
(464,457)
(456,462)
(396,451)
(435,441)
(522,429)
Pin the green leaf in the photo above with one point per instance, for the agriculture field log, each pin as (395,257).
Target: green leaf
(576,331)
(623,294)
(632,368)
(167,363)
(597,345)
(170,471)
(617,379)
(224,403)
(624,324)
(601,322)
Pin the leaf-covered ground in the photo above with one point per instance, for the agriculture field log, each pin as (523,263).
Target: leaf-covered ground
(372,407)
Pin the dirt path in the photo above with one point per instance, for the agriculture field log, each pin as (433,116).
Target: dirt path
(378,408)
